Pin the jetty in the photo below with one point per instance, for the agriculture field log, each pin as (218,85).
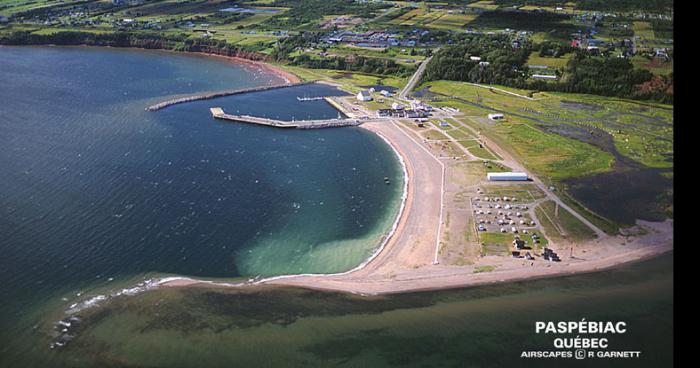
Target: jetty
(306,98)
(218,113)
(340,106)
(210,95)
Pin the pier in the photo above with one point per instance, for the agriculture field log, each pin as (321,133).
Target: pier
(218,113)
(340,106)
(210,95)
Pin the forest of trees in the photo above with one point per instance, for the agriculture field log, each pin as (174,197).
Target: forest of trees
(584,73)
(358,64)
(505,62)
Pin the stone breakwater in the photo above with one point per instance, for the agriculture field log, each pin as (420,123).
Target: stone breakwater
(210,95)
(218,113)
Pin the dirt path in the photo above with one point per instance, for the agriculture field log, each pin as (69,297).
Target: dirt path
(408,260)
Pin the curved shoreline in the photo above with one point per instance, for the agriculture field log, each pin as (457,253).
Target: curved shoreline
(426,278)
(286,76)
(460,280)
(383,274)
(387,238)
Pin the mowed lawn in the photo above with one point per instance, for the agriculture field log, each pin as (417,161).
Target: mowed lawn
(552,62)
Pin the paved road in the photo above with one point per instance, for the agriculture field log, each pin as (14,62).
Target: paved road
(509,161)
(415,78)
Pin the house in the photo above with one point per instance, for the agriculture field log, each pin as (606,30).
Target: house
(418,105)
(384,112)
(475,58)
(413,114)
(396,106)
(661,53)
(519,243)
(364,96)
(496,116)
(385,93)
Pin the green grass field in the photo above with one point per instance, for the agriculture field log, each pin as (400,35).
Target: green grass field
(524,193)
(496,244)
(559,224)
(641,131)
(552,62)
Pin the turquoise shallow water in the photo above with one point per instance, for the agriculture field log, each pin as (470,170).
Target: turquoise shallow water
(101,189)
(96,191)
(486,326)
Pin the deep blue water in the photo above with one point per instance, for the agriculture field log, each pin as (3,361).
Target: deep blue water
(95,190)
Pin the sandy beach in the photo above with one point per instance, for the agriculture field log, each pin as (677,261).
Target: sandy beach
(405,262)
(288,77)
(409,258)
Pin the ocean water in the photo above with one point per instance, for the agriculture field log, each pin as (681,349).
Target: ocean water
(96,193)
(485,326)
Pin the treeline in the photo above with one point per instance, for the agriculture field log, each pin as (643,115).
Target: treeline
(141,39)
(357,64)
(659,6)
(602,5)
(307,11)
(584,73)
(532,21)
(553,49)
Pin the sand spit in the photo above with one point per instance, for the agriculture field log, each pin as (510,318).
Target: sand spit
(405,262)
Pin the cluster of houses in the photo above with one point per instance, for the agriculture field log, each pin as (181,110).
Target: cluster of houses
(592,45)
(374,39)
(416,110)
(77,14)
(626,47)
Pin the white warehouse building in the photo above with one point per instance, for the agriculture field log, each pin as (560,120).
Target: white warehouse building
(507,176)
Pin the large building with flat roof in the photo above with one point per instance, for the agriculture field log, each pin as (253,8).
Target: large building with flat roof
(507,176)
